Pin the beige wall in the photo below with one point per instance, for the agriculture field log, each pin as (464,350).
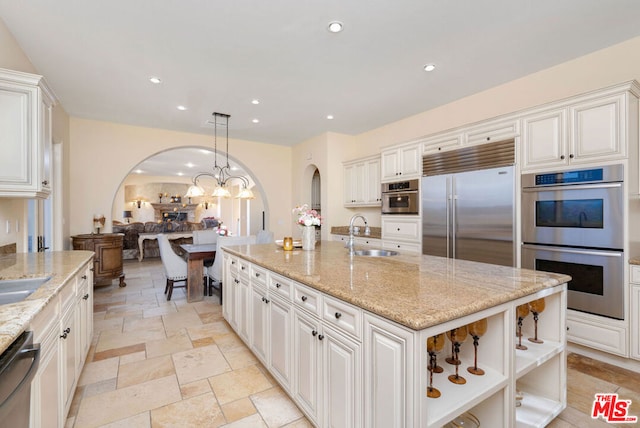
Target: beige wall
(103,154)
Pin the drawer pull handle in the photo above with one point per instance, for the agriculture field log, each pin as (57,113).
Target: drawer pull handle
(314,333)
(67,330)
(63,336)
(236,281)
(266,300)
(84,276)
(242,267)
(85,297)
(338,315)
(257,274)
(233,263)
(304,298)
(278,285)
(320,337)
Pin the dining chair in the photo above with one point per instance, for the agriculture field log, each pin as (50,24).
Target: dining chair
(175,267)
(215,271)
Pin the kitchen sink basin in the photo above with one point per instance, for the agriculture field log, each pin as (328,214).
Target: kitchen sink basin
(375,253)
(16,290)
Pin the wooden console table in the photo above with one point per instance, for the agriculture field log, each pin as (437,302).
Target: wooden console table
(107,263)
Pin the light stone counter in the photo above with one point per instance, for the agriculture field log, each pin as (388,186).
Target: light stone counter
(413,290)
(61,265)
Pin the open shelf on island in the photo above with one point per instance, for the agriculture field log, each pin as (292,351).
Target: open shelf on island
(535,355)
(456,399)
(536,411)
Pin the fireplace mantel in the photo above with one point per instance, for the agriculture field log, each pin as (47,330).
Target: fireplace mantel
(160,209)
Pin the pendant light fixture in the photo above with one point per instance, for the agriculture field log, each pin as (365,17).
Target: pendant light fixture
(222,174)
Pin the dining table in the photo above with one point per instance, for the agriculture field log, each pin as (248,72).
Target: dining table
(197,253)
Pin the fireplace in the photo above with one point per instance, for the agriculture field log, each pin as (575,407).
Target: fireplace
(174,211)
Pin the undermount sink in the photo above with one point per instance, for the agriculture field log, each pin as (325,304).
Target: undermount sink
(16,290)
(375,253)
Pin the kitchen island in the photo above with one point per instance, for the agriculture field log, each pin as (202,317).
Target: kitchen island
(346,336)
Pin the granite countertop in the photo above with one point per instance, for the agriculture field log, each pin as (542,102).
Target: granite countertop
(416,291)
(61,265)
(376,232)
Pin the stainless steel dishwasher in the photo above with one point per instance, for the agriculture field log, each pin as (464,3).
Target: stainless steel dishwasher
(18,365)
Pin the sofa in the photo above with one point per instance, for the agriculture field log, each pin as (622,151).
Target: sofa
(132,232)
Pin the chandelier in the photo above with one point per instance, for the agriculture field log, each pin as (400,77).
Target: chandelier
(222,174)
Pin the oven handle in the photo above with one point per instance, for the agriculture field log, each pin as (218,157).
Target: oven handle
(573,250)
(574,187)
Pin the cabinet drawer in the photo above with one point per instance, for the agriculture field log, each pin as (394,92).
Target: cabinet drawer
(343,316)
(590,332)
(635,274)
(258,275)
(68,292)
(369,242)
(404,229)
(307,298)
(281,286)
(403,247)
(243,267)
(234,263)
(496,131)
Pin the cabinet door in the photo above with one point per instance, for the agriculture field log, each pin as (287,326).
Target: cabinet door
(597,129)
(46,401)
(411,162)
(306,364)
(635,321)
(243,310)
(492,132)
(441,144)
(372,184)
(387,383)
(390,164)
(544,140)
(260,323)
(342,378)
(229,290)
(18,137)
(349,186)
(108,258)
(69,352)
(85,307)
(280,315)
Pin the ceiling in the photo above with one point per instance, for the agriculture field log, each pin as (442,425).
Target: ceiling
(218,56)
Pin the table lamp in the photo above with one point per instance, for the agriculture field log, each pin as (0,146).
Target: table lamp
(127,215)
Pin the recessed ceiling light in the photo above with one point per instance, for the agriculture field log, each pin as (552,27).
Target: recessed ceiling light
(256,102)
(189,165)
(155,80)
(335,26)
(181,108)
(138,171)
(429,67)
(330,116)
(256,121)
(181,174)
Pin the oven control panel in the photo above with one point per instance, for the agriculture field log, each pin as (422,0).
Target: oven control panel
(569,177)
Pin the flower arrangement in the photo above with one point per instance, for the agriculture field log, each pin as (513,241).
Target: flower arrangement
(306,216)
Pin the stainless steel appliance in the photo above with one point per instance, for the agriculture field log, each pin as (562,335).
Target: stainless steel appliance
(572,223)
(401,197)
(18,365)
(467,204)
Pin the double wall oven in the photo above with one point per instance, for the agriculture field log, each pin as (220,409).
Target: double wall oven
(572,223)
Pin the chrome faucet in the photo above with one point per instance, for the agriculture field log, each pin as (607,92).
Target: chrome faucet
(355,230)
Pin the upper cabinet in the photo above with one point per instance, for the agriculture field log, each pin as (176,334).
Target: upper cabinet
(589,128)
(401,162)
(492,131)
(26,105)
(362,182)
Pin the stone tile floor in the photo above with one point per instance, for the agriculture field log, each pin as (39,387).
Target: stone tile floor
(155,363)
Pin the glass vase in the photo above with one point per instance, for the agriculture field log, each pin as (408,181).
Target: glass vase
(308,238)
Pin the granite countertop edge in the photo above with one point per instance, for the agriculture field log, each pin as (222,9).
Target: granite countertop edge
(15,318)
(517,283)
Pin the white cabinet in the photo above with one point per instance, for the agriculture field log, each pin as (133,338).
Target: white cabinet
(242,297)
(280,334)
(64,336)
(442,143)
(260,323)
(362,182)
(585,129)
(635,311)
(402,162)
(327,371)
(26,104)
(492,131)
(402,233)
(387,379)
(544,139)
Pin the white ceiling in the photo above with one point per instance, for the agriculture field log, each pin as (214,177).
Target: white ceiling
(219,55)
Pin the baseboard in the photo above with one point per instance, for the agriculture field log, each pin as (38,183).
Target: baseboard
(625,363)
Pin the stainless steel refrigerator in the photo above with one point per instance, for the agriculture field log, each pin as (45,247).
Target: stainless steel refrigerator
(469,214)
